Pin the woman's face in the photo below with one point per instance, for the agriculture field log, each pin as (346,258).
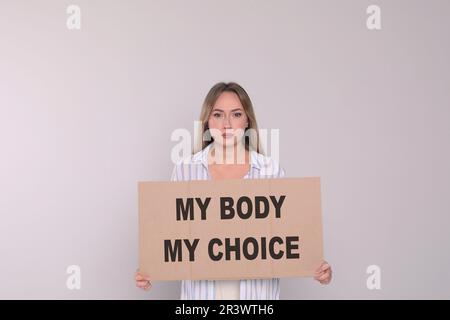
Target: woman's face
(228,119)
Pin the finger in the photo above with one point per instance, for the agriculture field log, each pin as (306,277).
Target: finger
(319,277)
(325,266)
(141,277)
(319,273)
(141,283)
(324,277)
(147,287)
(324,273)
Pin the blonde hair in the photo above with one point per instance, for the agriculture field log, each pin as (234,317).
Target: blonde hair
(208,104)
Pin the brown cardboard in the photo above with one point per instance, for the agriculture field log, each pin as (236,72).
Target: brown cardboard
(300,216)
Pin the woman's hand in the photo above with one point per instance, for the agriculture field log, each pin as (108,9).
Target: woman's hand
(142,282)
(323,273)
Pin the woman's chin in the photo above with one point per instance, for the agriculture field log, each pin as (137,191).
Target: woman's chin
(226,142)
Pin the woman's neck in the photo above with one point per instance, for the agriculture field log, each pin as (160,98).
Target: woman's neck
(236,154)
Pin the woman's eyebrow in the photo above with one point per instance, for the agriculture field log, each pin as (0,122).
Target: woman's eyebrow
(237,109)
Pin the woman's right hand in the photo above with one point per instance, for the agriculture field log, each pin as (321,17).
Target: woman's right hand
(142,282)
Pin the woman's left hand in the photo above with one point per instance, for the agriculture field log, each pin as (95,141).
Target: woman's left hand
(323,273)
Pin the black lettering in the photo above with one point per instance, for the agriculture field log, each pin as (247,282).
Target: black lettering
(211,249)
(280,253)
(191,248)
(277,204)
(245,245)
(236,248)
(291,246)
(185,211)
(258,213)
(263,248)
(203,206)
(241,214)
(226,204)
(173,252)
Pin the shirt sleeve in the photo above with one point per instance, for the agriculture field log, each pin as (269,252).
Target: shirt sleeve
(281,173)
(174,176)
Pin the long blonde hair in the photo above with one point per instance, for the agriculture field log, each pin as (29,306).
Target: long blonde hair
(251,142)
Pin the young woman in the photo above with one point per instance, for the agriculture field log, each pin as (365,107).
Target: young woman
(228,152)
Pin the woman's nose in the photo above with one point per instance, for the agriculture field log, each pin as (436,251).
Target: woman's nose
(226,123)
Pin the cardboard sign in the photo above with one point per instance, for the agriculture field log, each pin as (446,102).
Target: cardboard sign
(230,229)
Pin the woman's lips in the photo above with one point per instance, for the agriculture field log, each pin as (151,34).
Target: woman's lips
(227,135)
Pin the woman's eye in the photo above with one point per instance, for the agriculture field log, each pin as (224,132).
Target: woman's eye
(216,115)
(237,114)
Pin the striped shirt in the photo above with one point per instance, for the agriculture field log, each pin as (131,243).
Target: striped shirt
(195,167)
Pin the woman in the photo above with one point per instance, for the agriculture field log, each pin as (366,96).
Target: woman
(230,149)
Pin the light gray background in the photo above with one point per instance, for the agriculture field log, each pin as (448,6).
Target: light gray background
(86,114)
